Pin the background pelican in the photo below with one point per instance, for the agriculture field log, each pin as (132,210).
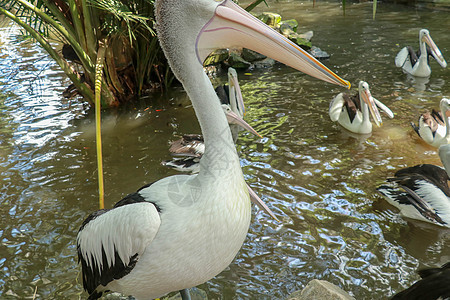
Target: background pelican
(192,145)
(433,127)
(422,192)
(183,230)
(352,112)
(417,63)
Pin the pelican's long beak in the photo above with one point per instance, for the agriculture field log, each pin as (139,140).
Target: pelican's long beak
(384,108)
(231,26)
(426,38)
(255,199)
(236,90)
(233,118)
(367,97)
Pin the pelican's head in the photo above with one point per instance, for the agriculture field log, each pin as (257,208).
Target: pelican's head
(366,96)
(445,106)
(207,25)
(234,119)
(236,100)
(424,37)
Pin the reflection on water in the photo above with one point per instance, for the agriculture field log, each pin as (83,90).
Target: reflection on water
(319,179)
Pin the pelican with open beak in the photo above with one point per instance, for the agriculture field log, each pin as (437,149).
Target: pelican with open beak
(352,112)
(417,63)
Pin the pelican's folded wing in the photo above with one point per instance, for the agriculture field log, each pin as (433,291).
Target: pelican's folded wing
(401,57)
(110,242)
(336,106)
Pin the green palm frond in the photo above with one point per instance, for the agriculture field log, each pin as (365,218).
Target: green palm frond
(117,12)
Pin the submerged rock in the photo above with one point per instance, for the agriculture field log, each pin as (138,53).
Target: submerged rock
(265,63)
(299,40)
(237,62)
(307,35)
(251,56)
(320,290)
(288,25)
(318,53)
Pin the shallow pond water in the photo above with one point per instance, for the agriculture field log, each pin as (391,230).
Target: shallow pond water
(318,179)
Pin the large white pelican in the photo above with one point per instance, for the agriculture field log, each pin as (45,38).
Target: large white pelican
(352,112)
(183,230)
(433,127)
(422,192)
(417,64)
(432,285)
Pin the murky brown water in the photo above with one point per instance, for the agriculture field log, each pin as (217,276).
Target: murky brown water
(318,179)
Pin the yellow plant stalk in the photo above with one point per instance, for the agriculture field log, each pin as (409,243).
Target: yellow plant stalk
(98,131)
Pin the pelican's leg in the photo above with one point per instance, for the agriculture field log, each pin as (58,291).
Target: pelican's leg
(185,294)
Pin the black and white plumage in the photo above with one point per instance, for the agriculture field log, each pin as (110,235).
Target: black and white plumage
(433,285)
(190,227)
(417,63)
(352,112)
(433,127)
(422,192)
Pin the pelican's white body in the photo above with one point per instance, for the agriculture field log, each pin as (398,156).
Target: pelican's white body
(437,139)
(433,196)
(442,134)
(199,250)
(421,68)
(338,113)
(361,123)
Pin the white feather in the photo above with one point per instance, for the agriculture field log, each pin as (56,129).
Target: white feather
(336,107)
(402,57)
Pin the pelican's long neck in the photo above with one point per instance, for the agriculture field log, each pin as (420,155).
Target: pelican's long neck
(220,152)
(444,109)
(177,33)
(444,154)
(423,58)
(364,107)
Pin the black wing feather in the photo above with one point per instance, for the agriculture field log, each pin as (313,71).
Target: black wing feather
(431,173)
(352,104)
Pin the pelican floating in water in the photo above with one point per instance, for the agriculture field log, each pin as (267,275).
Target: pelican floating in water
(432,285)
(434,127)
(183,230)
(352,112)
(422,192)
(417,63)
